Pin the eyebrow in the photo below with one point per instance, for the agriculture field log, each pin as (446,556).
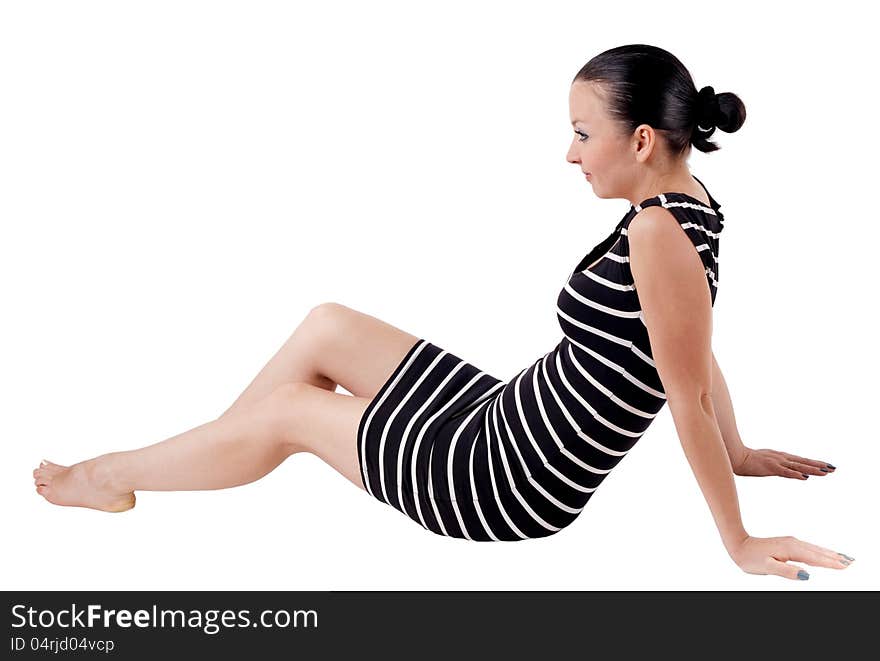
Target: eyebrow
(578,120)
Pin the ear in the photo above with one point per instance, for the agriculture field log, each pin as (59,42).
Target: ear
(645,141)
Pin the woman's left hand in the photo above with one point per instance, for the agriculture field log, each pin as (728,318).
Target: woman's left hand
(761,463)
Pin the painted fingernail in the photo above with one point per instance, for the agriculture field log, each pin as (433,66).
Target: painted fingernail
(846,556)
(829,465)
(803,575)
(824,470)
(844,562)
(805,475)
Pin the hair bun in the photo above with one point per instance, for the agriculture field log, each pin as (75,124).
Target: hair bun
(707,110)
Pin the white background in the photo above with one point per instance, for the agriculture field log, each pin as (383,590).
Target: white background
(180,182)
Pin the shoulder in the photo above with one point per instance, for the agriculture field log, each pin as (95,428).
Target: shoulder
(664,263)
(656,236)
(675,300)
(654,219)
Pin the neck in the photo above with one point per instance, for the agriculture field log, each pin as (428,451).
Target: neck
(679,180)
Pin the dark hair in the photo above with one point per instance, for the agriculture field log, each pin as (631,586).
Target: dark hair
(644,84)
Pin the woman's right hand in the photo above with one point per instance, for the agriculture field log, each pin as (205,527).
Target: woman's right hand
(770,555)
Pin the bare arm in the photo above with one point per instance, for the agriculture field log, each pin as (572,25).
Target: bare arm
(724,414)
(677,308)
(695,421)
(671,283)
(749,461)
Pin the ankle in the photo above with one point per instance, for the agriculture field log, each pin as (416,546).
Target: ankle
(108,472)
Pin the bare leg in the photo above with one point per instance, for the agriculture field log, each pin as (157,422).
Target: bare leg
(354,349)
(237,449)
(295,361)
(240,447)
(334,344)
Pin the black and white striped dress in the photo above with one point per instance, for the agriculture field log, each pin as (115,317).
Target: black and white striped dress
(466,455)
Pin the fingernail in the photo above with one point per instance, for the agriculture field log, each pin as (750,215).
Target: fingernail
(803,575)
(829,465)
(805,475)
(844,562)
(846,556)
(824,470)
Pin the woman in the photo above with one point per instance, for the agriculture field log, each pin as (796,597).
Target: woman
(467,455)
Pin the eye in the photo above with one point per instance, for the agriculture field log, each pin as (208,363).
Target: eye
(580,133)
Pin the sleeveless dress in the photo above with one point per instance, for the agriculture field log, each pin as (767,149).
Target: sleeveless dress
(469,456)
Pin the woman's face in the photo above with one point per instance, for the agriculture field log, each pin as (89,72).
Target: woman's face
(597,145)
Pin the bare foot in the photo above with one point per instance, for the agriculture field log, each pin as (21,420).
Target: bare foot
(86,484)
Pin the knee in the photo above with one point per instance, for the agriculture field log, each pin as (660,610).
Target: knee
(328,311)
(287,394)
(327,318)
(284,401)
(280,412)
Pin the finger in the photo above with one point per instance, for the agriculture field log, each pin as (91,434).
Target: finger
(788,472)
(833,555)
(788,571)
(813,464)
(809,462)
(809,553)
(794,466)
(809,469)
